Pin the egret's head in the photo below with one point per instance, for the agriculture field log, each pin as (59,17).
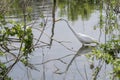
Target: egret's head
(58,20)
(61,20)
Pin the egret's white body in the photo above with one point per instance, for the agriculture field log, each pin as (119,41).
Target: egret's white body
(84,39)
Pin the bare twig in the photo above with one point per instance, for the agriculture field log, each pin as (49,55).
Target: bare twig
(58,59)
(44,74)
(79,71)
(53,20)
(85,72)
(96,71)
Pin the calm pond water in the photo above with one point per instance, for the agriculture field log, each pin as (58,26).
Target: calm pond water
(58,44)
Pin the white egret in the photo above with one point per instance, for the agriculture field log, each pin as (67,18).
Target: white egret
(84,39)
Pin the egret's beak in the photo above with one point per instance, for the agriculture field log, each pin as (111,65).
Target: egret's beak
(57,20)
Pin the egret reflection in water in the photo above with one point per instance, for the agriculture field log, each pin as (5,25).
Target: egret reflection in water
(82,51)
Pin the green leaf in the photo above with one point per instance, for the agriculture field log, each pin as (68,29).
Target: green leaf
(1,53)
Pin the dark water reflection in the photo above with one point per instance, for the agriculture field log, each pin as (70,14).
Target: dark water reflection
(58,49)
(74,9)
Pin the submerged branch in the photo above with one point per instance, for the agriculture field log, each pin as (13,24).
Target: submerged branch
(58,59)
(53,20)
(96,71)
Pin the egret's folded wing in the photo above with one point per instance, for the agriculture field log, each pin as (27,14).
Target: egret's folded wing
(85,38)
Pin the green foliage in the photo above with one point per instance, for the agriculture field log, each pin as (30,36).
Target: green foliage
(1,53)
(112,47)
(24,61)
(3,70)
(28,41)
(116,69)
(24,37)
(108,23)
(12,32)
(2,20)
(108,53)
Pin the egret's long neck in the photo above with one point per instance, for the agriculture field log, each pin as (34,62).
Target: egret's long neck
(70,27)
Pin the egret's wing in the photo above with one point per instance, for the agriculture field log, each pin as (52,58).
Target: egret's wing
(85,38)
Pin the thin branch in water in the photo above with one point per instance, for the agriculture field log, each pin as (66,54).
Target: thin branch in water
(96,71)
(57,70)
(85,72)
(60,42)
(53,20)
(58,59)
(79,71)
(44,74)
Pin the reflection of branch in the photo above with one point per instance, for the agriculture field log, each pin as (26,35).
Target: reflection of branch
(9,69)
(58,59)
(6,50)
(4,7)
(71,62)
(96,72)
(79,71)
(8,61)
(60,42)
(85,73)
(64,45)
(94,76)
(53,17)
(44,74)
(42,31)
(100,34)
